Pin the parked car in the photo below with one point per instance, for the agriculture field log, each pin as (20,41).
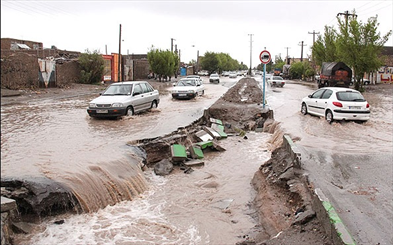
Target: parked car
(188,88)
(225,73)
(214,78)
(124,98)
(336,103)
(195,76)
(232,74)
(203,73)
(276,81)
(267,76)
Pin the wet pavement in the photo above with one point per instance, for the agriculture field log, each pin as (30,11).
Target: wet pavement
(56,139)
(351,162)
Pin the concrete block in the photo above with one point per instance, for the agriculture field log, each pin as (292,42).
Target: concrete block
(178,153)
(196,152)
(216,121)
(203,135)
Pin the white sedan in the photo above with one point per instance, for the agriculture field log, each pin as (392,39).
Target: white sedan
(188,88)
(336,103)
(276,81)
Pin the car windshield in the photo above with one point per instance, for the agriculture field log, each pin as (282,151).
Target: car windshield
(350,96)
(277,78)
(214,75)
(118,89)
(186,83)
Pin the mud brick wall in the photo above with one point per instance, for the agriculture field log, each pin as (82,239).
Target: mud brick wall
(19,71)
(141,69)
(67,73)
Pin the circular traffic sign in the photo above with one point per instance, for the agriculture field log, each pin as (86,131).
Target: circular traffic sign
(265,57)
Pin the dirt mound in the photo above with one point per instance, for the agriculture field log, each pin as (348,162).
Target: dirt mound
(241,107)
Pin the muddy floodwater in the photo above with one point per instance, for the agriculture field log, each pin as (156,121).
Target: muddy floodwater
(57,140)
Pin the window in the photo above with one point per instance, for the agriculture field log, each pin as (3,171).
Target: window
(327,94)
(317,94)
(350,96)
(137,89)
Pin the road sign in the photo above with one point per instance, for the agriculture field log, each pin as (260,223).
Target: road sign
(265,57)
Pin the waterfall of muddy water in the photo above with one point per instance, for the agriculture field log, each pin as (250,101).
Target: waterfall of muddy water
(210,205)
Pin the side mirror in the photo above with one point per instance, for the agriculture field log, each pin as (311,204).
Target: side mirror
(309,96)
(136,93)
(174,84)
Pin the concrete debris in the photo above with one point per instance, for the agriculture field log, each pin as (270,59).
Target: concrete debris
(203,135)
(194,163)
(195,151)
(22,227)
(178,153)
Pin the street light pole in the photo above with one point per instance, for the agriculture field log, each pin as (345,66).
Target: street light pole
(250,52)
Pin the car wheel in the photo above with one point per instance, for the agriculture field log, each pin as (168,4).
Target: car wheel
(304,109)
(153,104)
(329,116)
(129,111)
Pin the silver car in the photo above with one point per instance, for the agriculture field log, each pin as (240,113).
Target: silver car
(124,98)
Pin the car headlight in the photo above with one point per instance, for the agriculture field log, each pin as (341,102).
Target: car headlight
(92,105)
(117,105)
(191,91)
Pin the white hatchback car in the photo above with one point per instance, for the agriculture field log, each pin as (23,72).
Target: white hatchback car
(188,88)
(124,98)
(336,103)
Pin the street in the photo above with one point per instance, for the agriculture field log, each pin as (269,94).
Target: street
(56,139)
(350,162)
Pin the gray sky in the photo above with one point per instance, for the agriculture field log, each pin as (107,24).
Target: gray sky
(214,26)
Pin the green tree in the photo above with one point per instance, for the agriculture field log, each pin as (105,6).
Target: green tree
(359,45)
(324,49)
(300,70)
(92,67)
(210,62)
(163,63)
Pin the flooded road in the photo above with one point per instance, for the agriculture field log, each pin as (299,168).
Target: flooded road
(57,140)
(209,206)
(351,162)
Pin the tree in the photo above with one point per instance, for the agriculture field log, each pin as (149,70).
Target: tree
(92,67)
(355,43)
(163,63)
(359,45)
(210,62)
(324,49)
(300,70)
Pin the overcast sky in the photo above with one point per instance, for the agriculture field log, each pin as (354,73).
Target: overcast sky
(214,26)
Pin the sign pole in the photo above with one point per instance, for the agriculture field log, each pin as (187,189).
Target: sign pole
(265,58)
(264,81)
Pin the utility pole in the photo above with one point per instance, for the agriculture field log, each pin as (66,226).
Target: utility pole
(172,39)
(287,55)
(313,36)
(301,55)
(118,65)
(312,52)
(250,52)
(346,14)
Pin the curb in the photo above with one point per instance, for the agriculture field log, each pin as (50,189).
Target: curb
(326,213)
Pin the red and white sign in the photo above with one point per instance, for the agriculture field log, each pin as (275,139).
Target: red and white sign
(265,57)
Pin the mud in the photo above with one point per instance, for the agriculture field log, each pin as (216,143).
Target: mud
(282,203)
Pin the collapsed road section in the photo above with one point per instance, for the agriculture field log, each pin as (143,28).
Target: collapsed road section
(283,203)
